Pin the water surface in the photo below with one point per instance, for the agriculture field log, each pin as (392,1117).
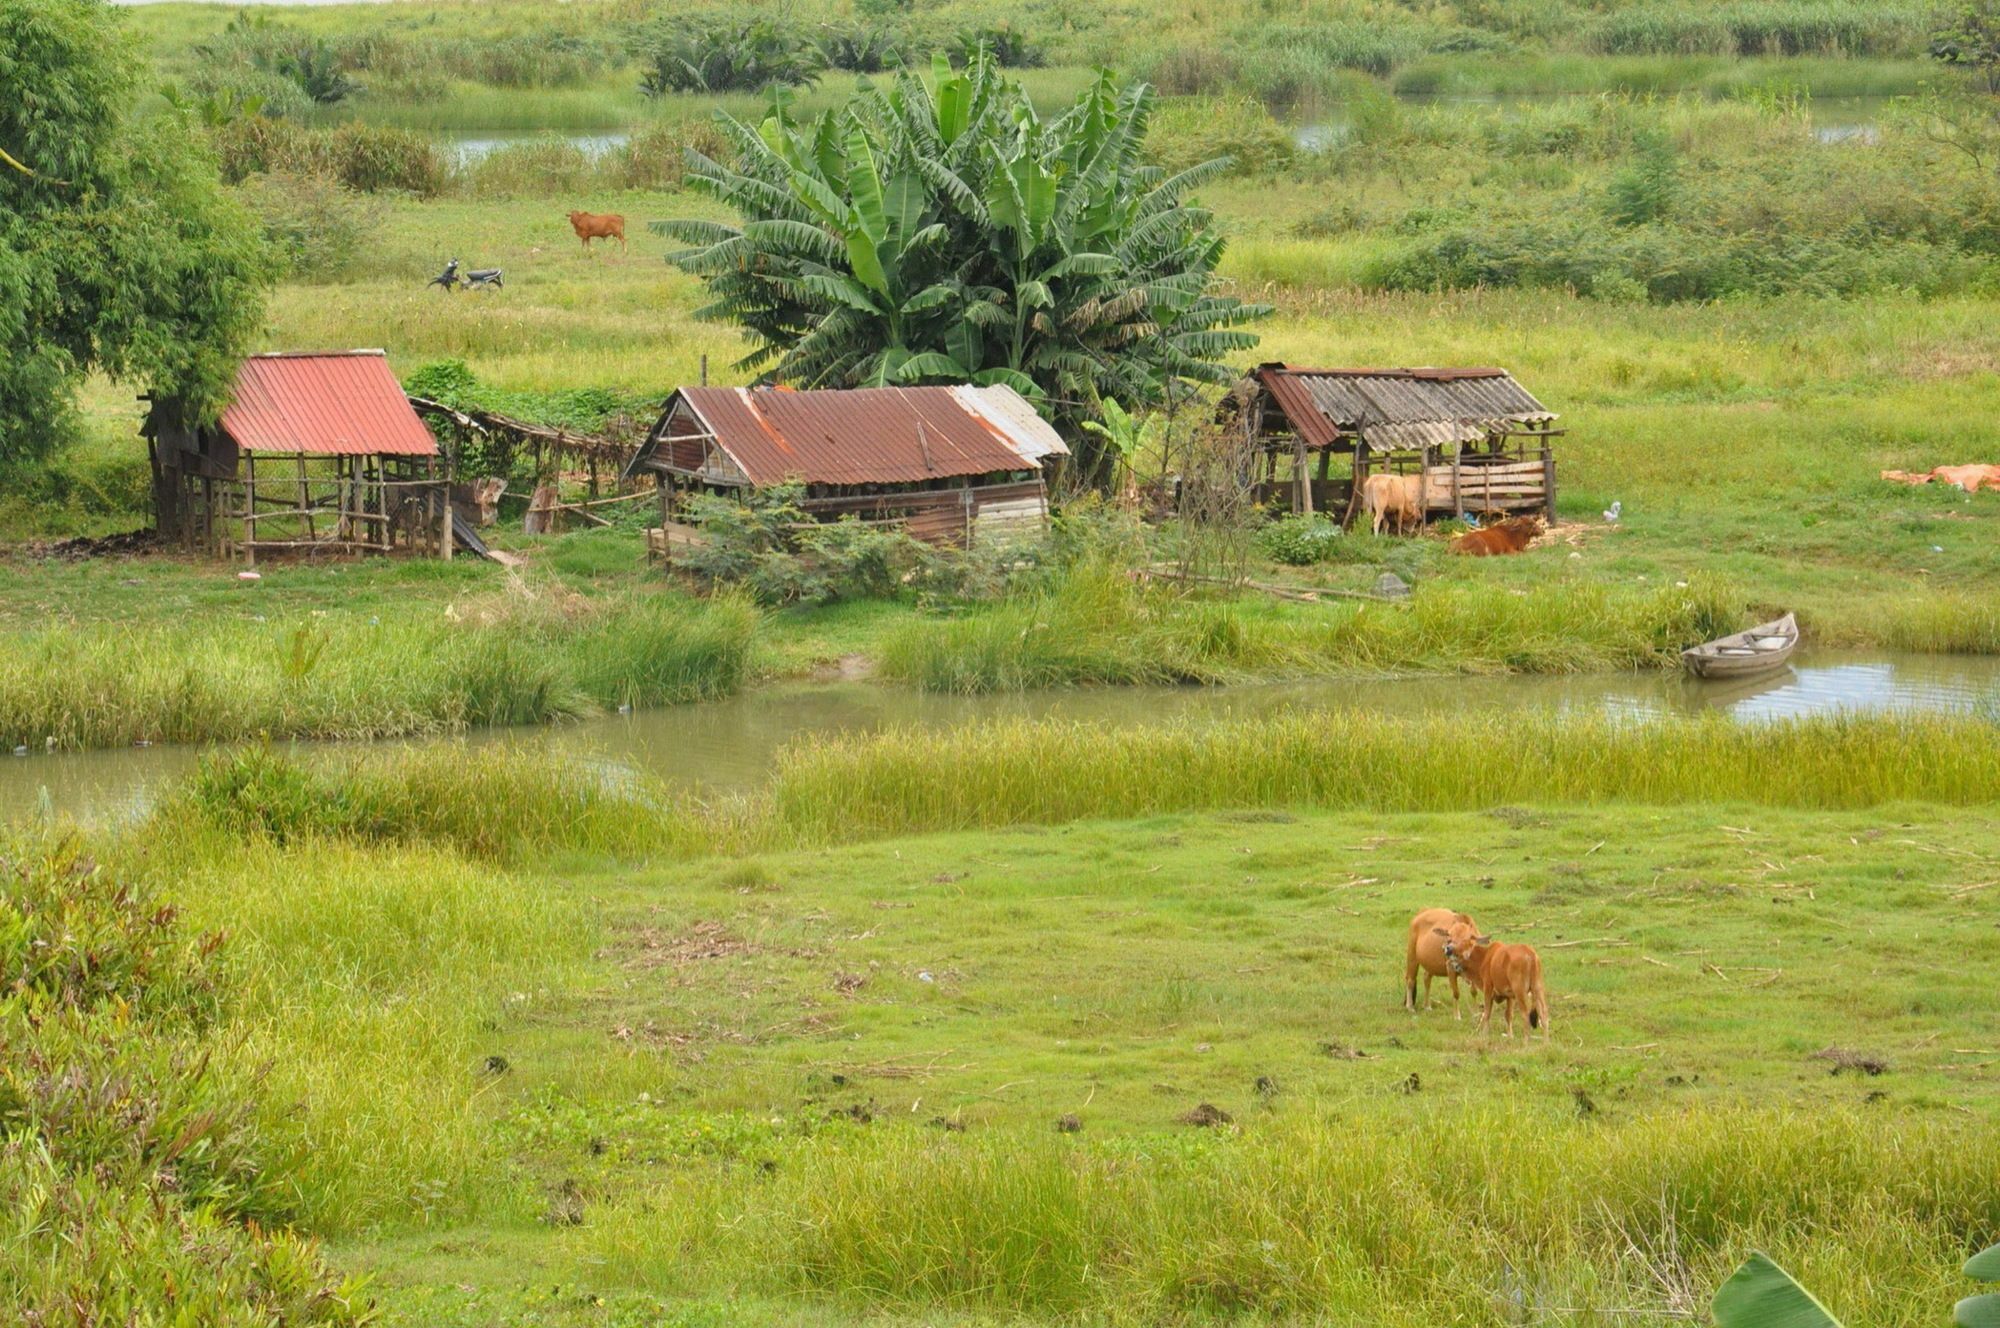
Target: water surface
(730,744)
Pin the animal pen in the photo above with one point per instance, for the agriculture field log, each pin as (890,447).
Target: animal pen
(1480,440)
(950,465)
(317,452)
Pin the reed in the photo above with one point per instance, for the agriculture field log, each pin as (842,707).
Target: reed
(1374,1217)
(1020,774)
(512,660)
(509,803)
(1095,626)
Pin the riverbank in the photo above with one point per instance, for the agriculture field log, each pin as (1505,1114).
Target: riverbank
(511,1026)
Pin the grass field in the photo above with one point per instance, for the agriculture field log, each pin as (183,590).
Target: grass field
(823,1085)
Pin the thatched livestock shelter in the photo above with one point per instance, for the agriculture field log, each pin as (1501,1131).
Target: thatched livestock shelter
(952,465)
(318,452)
(1482,442)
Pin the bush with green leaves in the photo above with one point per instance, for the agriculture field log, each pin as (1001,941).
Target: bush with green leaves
(134,1183)
(1301,541)
(1191,130)
(946,232)
(724,53)
(1003,43)
(766,543)
(318,226)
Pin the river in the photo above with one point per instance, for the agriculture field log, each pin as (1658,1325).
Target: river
(730,744)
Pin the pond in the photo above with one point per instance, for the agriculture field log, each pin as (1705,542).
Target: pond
(469,146)
(731,744)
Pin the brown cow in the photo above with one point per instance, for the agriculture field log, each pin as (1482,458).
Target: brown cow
(598,226)
(1508,974)
(1513,535)
(1969,478)
(1426,952)
(1400,496)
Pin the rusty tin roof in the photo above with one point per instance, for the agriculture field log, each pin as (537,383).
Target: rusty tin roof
(870,435)
(1395,409)
(328,403)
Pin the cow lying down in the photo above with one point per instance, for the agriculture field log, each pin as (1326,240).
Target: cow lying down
(1502,537)
(1971,478)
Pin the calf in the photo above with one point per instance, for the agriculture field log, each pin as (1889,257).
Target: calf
(1510,974)
(1397,496)
(1427,953)
(598,226)
(1502,537)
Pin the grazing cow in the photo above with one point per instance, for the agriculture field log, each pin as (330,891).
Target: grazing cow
(1397,496)
(1502,537)
(598,226)
(1509,974)
(1426,952)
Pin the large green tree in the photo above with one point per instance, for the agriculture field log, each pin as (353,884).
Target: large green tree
(943,231)
(119,250)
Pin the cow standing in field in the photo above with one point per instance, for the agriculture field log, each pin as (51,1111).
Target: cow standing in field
(1426,954)
(1397,496)
(598,226)
(1513,535)
(1509,974)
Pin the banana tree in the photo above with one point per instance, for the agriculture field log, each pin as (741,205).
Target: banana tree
(1126,437)
(941,230)
(1760,1294)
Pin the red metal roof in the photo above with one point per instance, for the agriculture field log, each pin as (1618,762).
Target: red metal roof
(868,435)
(343,403)
(1392,408)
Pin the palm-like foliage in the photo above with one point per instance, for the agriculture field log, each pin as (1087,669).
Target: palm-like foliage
(942,231)
(725,55)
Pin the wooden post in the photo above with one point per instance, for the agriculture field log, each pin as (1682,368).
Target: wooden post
(1549,479)
(1457,495)
(250,509)
(1302,491)
(704,368)
(443,492)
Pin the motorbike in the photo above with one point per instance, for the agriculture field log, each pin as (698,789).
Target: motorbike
(476,279)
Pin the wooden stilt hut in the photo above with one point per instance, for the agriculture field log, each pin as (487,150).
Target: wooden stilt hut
(951,465)
(1482,442)
(318,452)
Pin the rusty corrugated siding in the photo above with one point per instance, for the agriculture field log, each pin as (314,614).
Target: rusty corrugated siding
(334,403)
(872,435)
(1399,408)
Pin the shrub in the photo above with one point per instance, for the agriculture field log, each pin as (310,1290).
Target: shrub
(132,1179)
(656,156)
(1301,541)
(1008,46)
(1187,132)
(861,50)
(1189,71)
(373,158)
(724,54)
(770,546)
(316,225)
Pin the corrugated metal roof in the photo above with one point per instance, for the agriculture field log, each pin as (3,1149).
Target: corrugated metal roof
(1007,410)
(331,403)
(1395,409)
(870,435)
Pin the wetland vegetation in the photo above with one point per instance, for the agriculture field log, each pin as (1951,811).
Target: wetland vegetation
(1031,1021)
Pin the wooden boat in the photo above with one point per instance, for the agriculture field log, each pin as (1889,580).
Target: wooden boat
(1763,648)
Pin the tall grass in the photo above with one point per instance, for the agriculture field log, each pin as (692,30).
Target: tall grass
(1095,626)
(508,803)
(520,660)
(1368,1216)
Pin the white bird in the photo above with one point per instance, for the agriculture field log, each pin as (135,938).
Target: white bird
(1613,512)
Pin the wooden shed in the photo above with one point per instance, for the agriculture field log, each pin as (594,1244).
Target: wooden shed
(952,465)
(318,452)
(1482,442)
